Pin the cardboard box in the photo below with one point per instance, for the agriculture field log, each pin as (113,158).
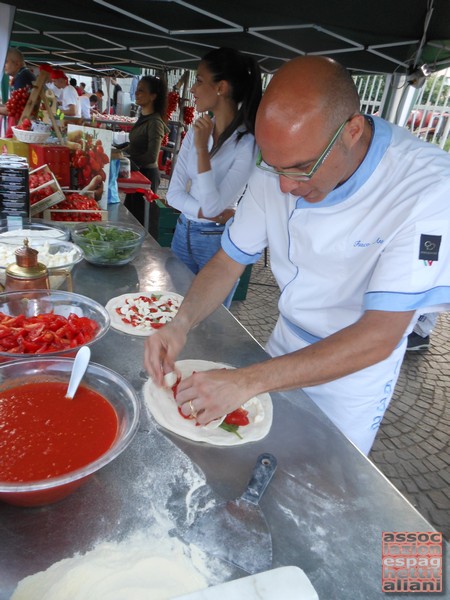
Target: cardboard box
(56,157)
(12,146)
(14,193)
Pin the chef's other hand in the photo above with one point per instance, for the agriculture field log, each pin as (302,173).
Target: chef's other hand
(208,395)
(161,350)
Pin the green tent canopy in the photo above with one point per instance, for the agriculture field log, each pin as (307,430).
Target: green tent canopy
(103,36)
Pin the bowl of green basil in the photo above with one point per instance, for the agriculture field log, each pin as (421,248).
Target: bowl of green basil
(109,243)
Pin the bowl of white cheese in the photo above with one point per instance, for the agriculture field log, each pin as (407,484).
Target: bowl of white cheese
(34,231)
(55,255)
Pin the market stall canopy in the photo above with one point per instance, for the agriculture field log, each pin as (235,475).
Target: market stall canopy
(87,35)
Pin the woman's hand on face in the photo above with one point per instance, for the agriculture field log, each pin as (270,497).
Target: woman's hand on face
(203,127)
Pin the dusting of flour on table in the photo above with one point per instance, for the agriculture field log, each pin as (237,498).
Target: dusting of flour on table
(143,557)
(137,568)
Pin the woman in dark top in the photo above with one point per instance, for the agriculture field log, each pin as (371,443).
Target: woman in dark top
(146,137)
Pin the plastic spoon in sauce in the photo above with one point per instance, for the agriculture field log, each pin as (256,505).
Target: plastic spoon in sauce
(80,365)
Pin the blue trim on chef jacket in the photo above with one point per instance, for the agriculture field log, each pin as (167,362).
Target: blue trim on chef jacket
(399,301)
(234,252)
(381,140)
(301,333)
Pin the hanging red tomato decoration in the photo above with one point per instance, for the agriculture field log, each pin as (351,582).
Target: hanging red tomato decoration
(17,102)
(173,99)
(188,115)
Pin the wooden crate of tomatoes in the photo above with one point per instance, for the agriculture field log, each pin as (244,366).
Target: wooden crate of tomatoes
(45,190)
(77,207)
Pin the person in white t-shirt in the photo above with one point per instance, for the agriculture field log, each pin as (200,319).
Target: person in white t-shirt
(69,98)
(356,215)
(87,103)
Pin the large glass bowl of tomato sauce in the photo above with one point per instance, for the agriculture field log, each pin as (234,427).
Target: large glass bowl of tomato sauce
(72,423)
(48,323)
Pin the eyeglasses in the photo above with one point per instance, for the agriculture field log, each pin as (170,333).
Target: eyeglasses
(299,175)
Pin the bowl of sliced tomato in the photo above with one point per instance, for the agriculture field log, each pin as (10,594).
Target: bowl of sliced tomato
(48,323)
(51,445)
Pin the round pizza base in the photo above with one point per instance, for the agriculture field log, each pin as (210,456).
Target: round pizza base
(116,320)
(162,405)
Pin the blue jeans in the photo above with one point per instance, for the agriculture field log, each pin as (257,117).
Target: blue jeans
(195,243)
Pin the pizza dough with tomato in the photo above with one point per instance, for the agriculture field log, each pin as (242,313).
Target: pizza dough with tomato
(162,405)
(143,313)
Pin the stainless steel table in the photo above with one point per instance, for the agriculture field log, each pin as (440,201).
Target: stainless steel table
(327,505)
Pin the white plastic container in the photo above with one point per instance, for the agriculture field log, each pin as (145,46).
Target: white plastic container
(124,168)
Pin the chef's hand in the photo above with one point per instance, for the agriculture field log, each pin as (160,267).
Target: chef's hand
(208,395)
(161,350)
(203,127)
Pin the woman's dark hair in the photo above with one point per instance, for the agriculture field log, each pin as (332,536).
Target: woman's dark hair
(157,86)
(243,75)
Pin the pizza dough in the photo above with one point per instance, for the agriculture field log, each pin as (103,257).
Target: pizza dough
(160,307)
(138,568)
(162,405)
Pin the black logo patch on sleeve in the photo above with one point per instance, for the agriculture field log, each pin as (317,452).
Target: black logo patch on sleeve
(429,247)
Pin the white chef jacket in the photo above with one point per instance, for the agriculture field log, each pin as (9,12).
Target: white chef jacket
(380,241)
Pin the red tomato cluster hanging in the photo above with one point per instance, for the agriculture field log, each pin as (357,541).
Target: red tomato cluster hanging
(90,161)
(165,140)
(188,115)
(17,102)
(77,202)
(173,99)
(168,167)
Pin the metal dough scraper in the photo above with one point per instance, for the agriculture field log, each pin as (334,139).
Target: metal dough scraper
(236,531)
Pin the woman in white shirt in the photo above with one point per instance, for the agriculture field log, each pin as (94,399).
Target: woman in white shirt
(217,154)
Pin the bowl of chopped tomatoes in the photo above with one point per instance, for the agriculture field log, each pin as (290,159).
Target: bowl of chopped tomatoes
(48,323)
(51,445)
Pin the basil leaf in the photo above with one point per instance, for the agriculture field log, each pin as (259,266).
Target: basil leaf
(231,429)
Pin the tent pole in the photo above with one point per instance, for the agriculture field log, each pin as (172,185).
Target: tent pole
(183,83)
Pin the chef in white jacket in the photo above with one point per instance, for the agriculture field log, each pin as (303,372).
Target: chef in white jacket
(356,215)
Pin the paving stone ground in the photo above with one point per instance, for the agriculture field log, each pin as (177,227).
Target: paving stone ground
(412,448)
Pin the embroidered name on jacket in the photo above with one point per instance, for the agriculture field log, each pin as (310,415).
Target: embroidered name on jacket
(362,244)
(429,247)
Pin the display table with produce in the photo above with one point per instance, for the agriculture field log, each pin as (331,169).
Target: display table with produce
(326,506)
